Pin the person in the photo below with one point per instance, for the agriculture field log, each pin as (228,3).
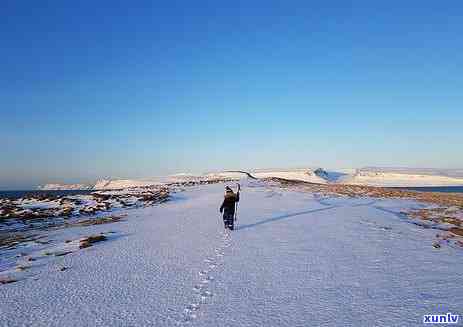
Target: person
(228,207)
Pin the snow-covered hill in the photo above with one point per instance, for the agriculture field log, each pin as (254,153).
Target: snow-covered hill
(59,187)
(177,178)
(388,177)
(310,175)
(400,178)
(106,184)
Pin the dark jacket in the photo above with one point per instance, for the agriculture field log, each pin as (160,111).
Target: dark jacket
(228,205)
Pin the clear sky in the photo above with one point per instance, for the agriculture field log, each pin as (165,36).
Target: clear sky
(93,89)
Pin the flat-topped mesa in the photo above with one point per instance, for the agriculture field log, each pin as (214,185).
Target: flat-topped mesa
(402,177)
(309,175)
(64,187)
(118,184)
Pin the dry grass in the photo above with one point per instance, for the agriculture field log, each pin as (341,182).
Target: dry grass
(100,220)
(88,241)
(444,199)
(11,240)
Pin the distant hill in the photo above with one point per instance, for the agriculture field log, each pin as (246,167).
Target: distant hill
(64,187)
(373,176)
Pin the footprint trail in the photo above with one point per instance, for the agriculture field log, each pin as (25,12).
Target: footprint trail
(202,291)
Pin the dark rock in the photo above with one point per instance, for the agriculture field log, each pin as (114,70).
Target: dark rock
(84,244)
(60,254)
(88,241)
(7,280)
(436,245)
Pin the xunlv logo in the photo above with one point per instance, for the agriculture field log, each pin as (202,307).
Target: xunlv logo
(441,319)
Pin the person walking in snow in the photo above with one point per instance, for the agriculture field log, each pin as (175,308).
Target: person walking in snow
(228,207)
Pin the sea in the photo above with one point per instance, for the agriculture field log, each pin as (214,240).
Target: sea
(22,194)
(443,189)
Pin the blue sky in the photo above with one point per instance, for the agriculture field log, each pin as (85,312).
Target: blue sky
(149,88)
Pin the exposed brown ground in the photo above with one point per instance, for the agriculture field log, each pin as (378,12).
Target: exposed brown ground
(445,199)
(10,240)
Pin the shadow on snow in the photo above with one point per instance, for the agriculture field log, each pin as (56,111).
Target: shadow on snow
(281,217)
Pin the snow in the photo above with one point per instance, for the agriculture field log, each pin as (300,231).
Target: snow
(305,175)
(36,204)
(372,176)
(457,173)
(224,174)
(296,259)
(24,214)
(122,183)
(161,180)
(55,187)
(399,179)
(369,176)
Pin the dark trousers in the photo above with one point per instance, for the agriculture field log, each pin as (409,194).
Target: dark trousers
(228,220)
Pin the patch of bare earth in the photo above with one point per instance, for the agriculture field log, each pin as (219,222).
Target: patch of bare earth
(99,220)
(7,280)
(11,240)
(89,240)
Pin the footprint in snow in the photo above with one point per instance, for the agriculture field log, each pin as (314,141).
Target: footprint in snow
(198,288)
(201,289)
(189,316)
(192,307)
(206,294)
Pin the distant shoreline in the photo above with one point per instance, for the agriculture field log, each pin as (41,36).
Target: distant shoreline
(22,193)
(438,189)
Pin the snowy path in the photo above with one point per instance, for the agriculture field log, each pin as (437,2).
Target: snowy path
(293,261)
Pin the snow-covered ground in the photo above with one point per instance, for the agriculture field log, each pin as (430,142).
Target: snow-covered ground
(296,259)
(30,213)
